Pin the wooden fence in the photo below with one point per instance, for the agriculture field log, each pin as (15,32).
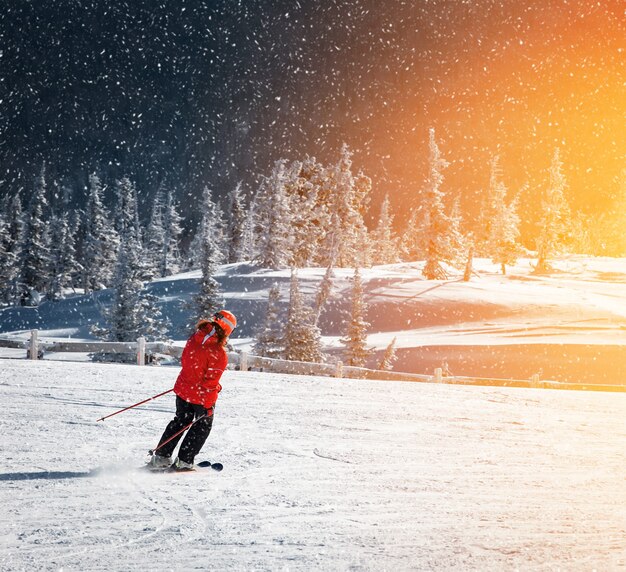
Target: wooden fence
(36,347)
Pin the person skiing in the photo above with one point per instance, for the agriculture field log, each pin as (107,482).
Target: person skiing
(203,361)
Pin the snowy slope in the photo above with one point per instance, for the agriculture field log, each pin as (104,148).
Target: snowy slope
(320,474)
(568,325)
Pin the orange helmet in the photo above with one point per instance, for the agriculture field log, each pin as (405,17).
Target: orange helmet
(225,320)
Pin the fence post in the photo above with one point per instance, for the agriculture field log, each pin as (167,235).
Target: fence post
(339,369)
(34,345)
(534,380)
(438,375)
(243,361)
(141,351)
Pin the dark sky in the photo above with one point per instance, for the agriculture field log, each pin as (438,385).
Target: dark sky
(192,93)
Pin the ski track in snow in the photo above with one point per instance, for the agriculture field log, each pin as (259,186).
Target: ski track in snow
(320,474)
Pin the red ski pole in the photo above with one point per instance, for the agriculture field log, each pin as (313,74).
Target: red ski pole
(135,405)
(152,451)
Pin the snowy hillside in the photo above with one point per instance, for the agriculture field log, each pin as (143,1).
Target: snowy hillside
(568,325)
(320,474)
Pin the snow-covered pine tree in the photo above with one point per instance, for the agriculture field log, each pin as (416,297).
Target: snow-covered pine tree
(10,246)
(305,183)
(101,243)
(15,221)
(236,225)
(154,326)
(411,247)
(35,251)
(209,298)
(302,337)
(124,317)
(8,263)
(457,239)
(439,239)
(502,241)
(363,254)
(127,223)
(482,231)
(347,242)
(65,267)
(355,339)
(126,210)
(269,338)
(76,222)
(555,217)
(134,311)
(389,357)
(194,250)
(154,241)
(273,218)
(384,243)
(172,224)
(127,314)
(248,239)
(324,292)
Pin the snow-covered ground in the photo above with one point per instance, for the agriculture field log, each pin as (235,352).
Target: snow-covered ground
(568,326)
(320,474)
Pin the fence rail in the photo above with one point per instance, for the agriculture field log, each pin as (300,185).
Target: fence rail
(35,348)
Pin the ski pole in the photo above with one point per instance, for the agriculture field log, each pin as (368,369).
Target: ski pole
(152,451)
(135,405)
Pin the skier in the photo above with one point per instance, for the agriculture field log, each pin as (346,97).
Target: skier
(203,362)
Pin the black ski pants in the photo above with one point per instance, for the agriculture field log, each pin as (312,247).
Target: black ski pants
(196,436)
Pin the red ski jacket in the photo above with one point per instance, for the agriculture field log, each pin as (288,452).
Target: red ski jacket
(203,361)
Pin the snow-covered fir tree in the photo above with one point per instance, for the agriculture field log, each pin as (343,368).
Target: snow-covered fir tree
(324,292)
(389,357)
(555,217)
(439,239)
(457,239)
(411,245)
(154,239)
(269,337)
(101,242)
(347,242)
(502,241)
(248,239)
(12,233)
(355,338)
(65,267)
(302,339)
(35,251)
(273,220)
(134,311)
(171,259)
(15,221)
(306,183)
(154,325)
(128,224)
(209,298)
(194,250)
(236,225)
(8,263)
(384,242)
(127,211)
(125,315)
(482,229)
(131,314)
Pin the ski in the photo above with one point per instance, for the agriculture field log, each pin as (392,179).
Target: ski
(199,467)
(208,465)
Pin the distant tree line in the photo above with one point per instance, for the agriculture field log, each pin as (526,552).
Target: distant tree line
(303,214)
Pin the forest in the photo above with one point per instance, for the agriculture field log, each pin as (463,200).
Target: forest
(303,214)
